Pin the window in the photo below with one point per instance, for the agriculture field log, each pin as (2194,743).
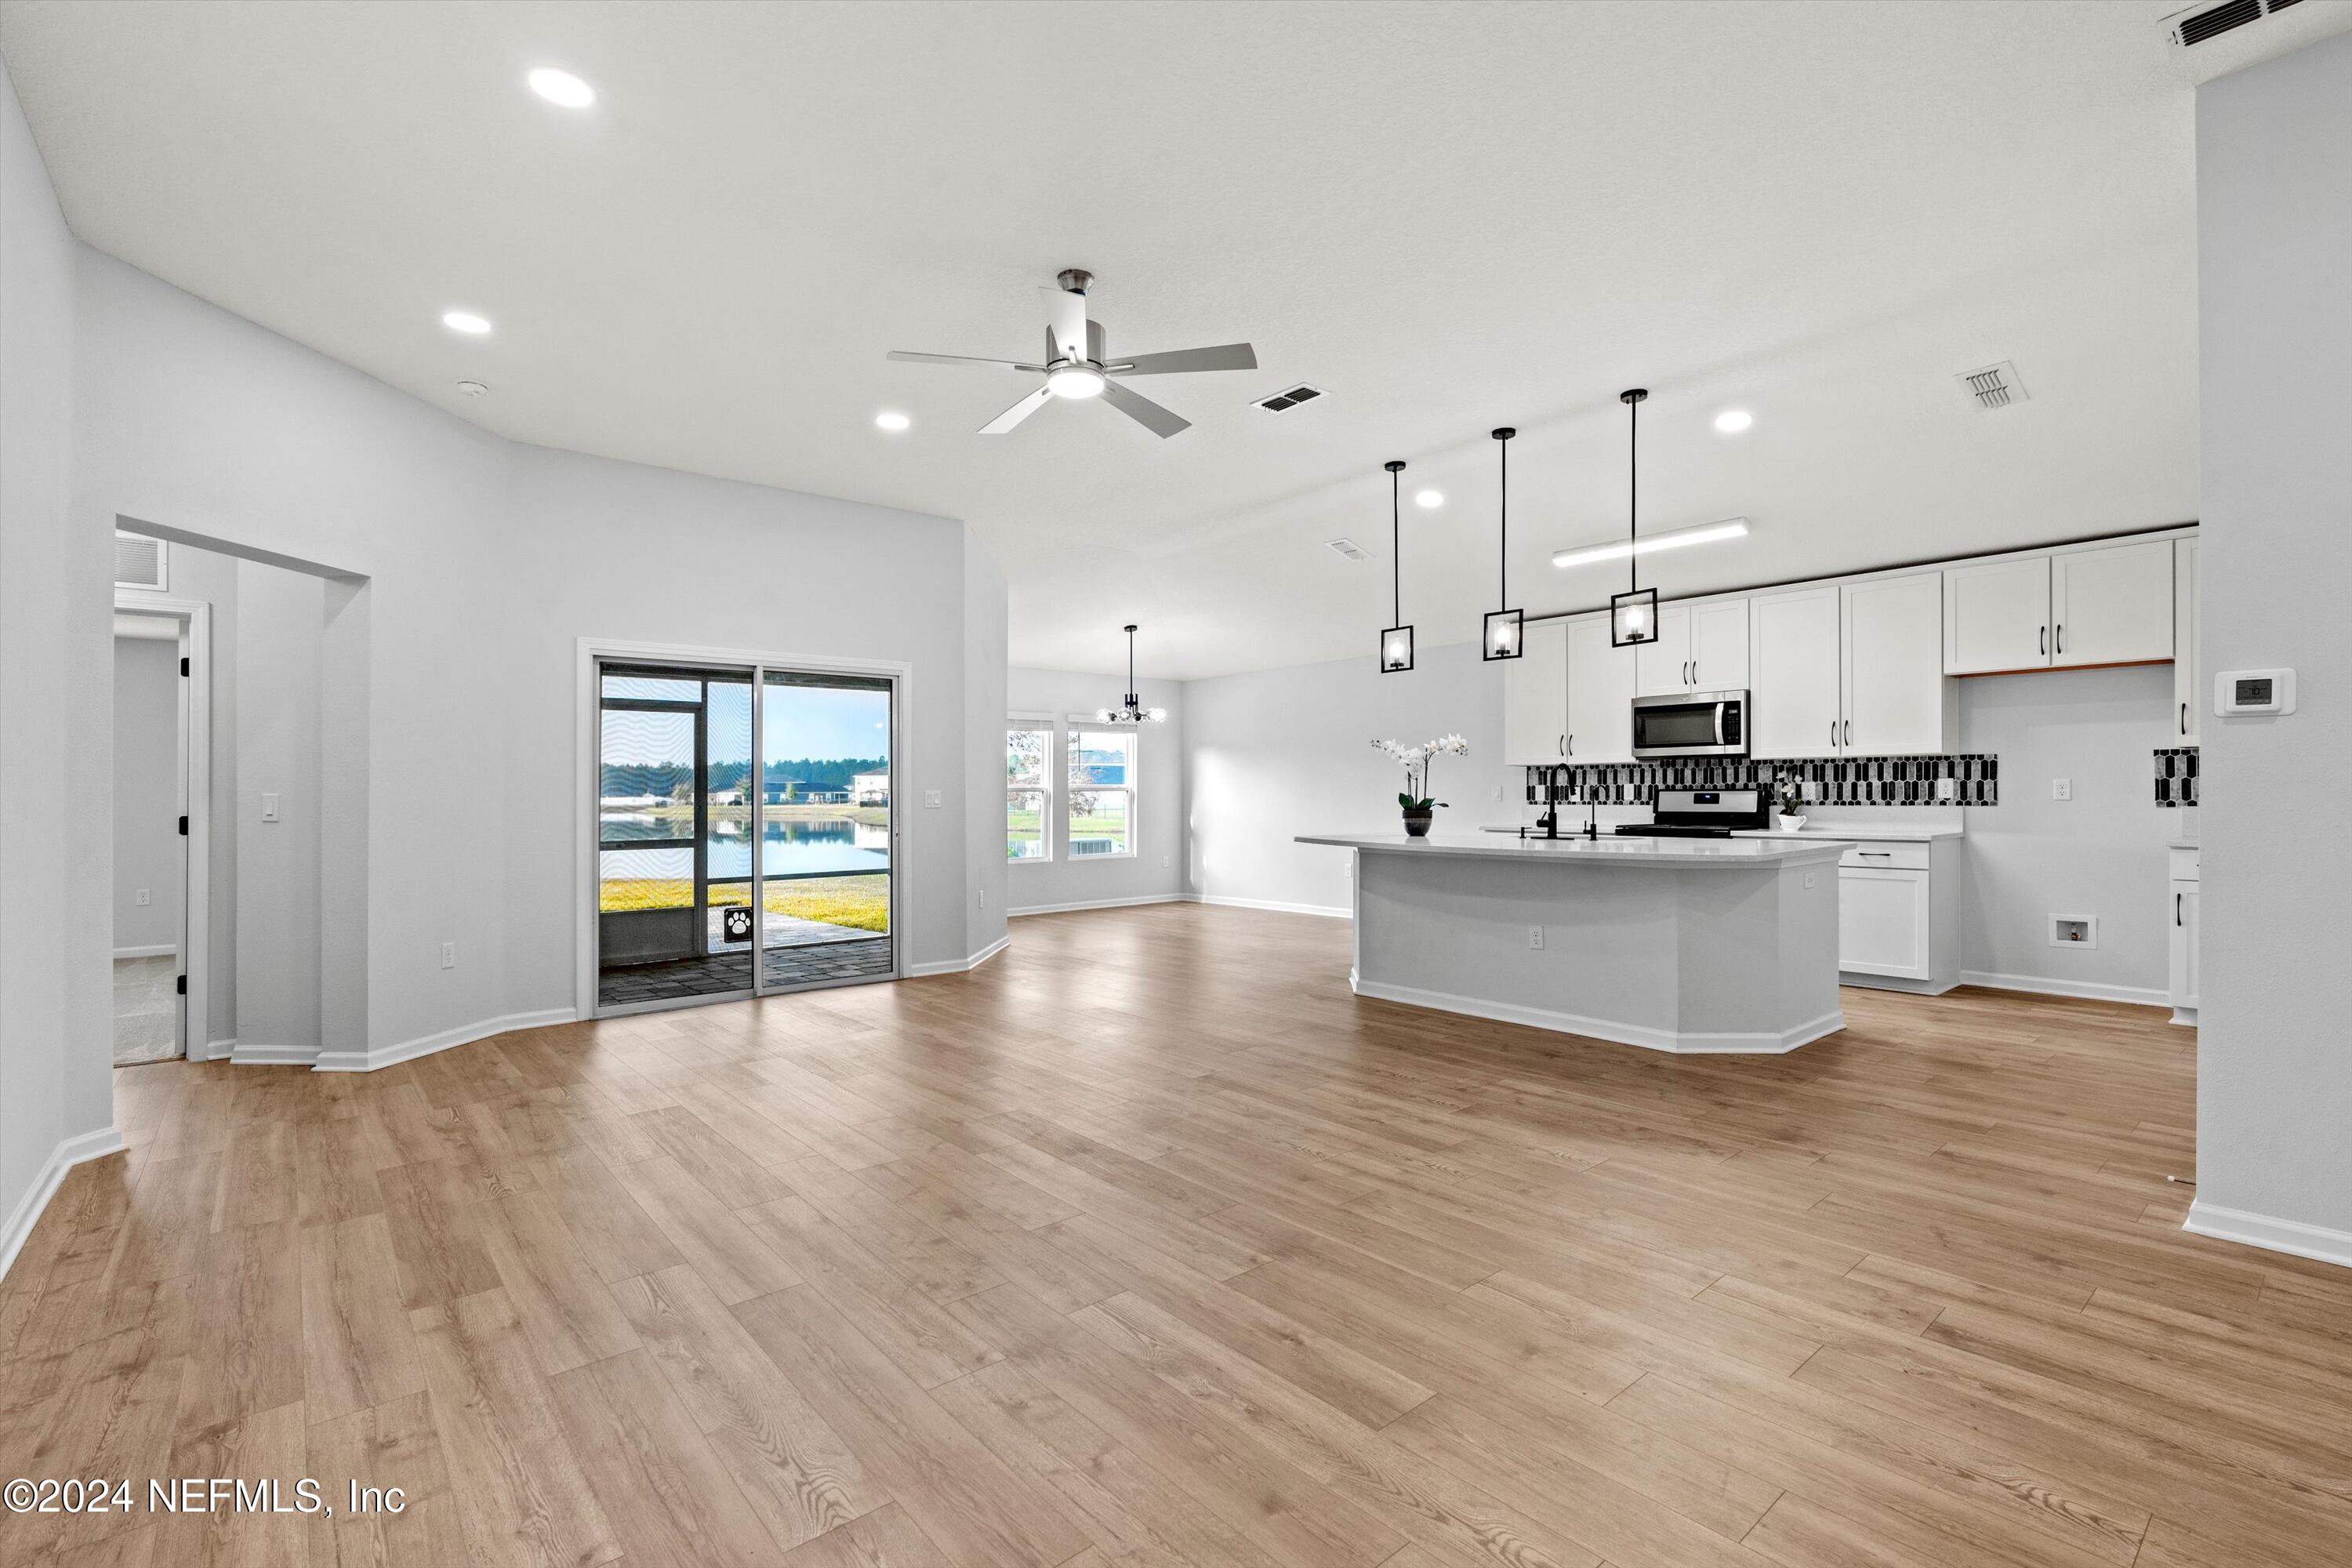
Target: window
(1102,793)
(1027,794)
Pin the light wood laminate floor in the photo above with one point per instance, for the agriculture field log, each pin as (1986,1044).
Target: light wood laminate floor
(1148,1242)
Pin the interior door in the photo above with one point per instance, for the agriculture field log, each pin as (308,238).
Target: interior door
(1793,703)
(827,835)
(2112,605)
(1535,697)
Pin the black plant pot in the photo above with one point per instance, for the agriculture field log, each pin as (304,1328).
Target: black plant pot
(1416,822)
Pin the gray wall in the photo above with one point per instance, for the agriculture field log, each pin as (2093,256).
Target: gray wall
(55,682)
(1157,871)
(2101,852)
(2274,221)
(1277,753)
(149,852)
(275,740)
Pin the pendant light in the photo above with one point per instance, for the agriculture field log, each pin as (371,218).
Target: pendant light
(1502,639)
(1396,642)
(1133,710)
(1633,614)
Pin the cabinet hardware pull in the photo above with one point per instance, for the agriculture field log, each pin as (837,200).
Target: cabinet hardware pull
(2062,637)
(1833,732)
(2184,718)
(1571,745)
(1848,732)
(2041,641)
(2176,908)
(1877,854)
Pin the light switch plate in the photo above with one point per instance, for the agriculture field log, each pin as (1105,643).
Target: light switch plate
(931,799)
(268,806)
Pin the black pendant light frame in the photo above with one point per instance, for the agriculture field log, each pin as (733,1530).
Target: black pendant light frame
(1505,630)
(1396,641)
(1131,710)
(1633,614)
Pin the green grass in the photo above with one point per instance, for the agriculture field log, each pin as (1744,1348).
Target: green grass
(861,903)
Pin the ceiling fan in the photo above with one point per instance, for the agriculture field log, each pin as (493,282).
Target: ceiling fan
(1077,363)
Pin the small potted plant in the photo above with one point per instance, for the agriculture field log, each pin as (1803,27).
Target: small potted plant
(1790,802)
(1420,809)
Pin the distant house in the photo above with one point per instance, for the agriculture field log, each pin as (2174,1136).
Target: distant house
(727,797)
(870,789)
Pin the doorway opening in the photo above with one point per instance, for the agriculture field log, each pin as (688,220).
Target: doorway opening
(161,745)
(718,878)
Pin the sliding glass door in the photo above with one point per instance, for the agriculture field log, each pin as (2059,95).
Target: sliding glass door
(717,878)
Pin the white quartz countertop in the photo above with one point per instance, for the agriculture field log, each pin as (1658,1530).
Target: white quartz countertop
(1769,849)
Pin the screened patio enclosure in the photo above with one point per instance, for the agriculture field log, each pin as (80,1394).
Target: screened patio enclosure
(720,877)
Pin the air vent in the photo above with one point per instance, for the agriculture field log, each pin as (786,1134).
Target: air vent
(1349,548)
(1994,386)
(1290,397)
(138,561)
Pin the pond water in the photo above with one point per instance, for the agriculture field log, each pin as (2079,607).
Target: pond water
(788,848)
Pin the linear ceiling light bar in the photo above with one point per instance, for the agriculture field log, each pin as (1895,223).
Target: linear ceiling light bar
(1651,543)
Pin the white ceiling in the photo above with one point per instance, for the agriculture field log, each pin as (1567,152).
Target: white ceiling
(1451,216)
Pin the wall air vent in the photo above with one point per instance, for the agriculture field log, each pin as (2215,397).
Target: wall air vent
(138,561)
(1290,397)
(1994,386)
(1349,548)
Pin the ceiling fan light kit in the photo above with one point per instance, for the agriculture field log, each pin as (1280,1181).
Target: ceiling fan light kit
(1131,710)
(1503,634)
(1633,614)
(1078,365)
(1396,642)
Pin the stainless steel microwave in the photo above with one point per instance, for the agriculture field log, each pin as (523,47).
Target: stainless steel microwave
(1691,724)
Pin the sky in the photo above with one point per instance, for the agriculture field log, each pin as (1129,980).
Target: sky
(801,721)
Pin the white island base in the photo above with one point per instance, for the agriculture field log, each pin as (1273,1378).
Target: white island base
(1690,945)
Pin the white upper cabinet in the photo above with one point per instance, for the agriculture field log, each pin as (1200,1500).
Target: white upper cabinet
(1719,645)
(2187,700)
(2111,605)
(1662,669)
(1701,647)
(1599,694)
(1534,697)
(1997,616)
(1793,707)
(1898,701)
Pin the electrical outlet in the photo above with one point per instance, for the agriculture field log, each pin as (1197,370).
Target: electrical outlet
(930,800)
(449,955)
(143,897)
(2061,789)
(1498,792)
(268,806)
(1811,789)
(1947,789)
(1166,861)
(1535,939)
(1812,878)
(983,898)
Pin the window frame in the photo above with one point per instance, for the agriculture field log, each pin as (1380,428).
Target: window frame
(1077,726)
(1045,725)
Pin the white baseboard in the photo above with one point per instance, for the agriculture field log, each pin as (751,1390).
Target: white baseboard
(959,966)
(165,950)
(1338,911)
(1098,904)
(2291,1235)
(1677,1042)
(2138,996)
(248,1053)
(2185,1016)
(219,1051)
(63,1158)
(380,1056)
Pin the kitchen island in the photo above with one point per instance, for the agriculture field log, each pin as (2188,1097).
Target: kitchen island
(1676,944)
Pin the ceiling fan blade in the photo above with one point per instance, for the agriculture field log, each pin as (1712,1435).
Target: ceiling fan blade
(1224,356)
(1065,319)
(1159,421)
(905,357)
(1017,413)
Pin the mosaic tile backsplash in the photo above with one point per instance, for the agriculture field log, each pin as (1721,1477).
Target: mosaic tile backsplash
(2176,777)
(1842,781)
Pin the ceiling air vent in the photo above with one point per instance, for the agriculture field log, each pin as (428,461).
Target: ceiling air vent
(2199,26)
(1290,397)
(1994,386)
(2206,41)
(1349,548)
(138,561)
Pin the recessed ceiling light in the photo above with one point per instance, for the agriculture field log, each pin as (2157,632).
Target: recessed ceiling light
(891,419)
(471,388)
(1732,421)
(561,86)
(1428,500)
(464,322)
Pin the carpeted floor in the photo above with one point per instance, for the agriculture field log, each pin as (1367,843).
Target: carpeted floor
(146,1010)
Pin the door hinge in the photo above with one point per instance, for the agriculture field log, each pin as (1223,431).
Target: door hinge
(184,985)
(183,666)
(183,827)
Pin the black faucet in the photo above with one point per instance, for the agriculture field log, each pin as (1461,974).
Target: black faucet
(1550,820)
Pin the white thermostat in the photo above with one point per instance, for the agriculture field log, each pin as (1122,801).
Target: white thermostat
(2253,691)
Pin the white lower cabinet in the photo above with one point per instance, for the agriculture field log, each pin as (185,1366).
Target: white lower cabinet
(2185,881)
(1898,915)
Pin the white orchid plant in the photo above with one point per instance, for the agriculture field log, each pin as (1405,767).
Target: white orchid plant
(1416,761)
